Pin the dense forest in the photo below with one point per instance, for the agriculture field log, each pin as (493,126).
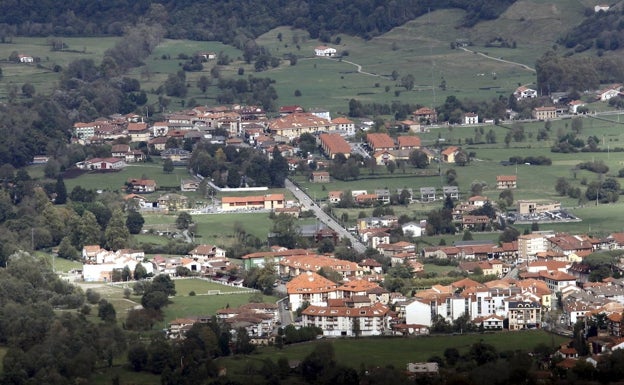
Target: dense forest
(227,21)
(601,30)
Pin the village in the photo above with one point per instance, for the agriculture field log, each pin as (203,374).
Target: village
(537,281)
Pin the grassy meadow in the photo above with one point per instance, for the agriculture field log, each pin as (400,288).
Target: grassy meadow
(182,304)
(397,351)
(41,74)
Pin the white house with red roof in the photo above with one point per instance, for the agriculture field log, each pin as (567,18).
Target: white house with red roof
(324,51)
(205,251)
(25,58)
(344,124)
(102,164)
(524,92)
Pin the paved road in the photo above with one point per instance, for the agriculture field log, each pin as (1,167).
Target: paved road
(307,203)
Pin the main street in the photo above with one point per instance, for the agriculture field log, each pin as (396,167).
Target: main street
(309,204)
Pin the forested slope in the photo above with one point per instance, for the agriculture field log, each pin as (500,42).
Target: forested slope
(227,20)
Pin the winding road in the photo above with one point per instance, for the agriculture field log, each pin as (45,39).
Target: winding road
(308,203)
(524,66)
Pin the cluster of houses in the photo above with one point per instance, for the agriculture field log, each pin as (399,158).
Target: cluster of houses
(561,105)
(550,266)
(101,265)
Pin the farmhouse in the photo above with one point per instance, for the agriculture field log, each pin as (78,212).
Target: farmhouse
(609,92)
(574,105)
(449,153)
(320,177)
(544,113)
(334,144)
(425,114)
(205,251)
(138,186)
(471,118)
(262,202)
(523,92)
(504,182)
(25,58)
(324,51)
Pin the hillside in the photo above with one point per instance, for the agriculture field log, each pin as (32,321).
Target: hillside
(228,22)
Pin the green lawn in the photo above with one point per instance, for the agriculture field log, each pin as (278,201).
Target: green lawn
(399,351)
(114,181)
(440,270)
(216,229)
(201,305)
(185,286)
(61,264)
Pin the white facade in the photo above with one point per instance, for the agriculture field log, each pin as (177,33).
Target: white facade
(324,51)
(103,272)
(418,313)
(471,118)
(343,321)
(413,228)
(531,244)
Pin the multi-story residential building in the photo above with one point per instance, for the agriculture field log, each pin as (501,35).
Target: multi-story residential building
(341,320)
(293,125)
(524,315)
(310,288)
(531,244)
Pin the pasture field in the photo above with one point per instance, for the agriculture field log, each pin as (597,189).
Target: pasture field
(219,229)
(41,74)
(182,305)
(397,351)
(114,181)
(206,304)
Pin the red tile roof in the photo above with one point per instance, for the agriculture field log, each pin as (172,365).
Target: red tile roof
(409,141)
(335,144)
(380,140)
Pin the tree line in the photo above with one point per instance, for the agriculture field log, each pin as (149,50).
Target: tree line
(230,22)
